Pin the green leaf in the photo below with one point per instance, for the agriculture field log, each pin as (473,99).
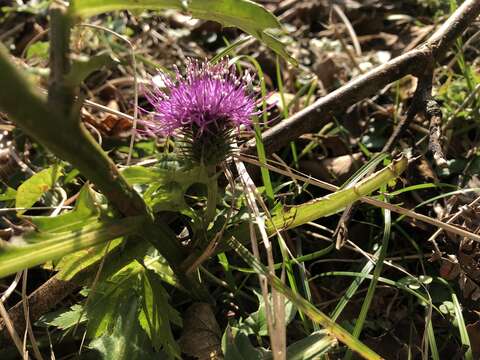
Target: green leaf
(168,173)
(84,66)
(246,15)
(166,185)
(32,190)
(312,347)
(8,194)
(35,248)
(71,265)
(127,341)
(333,203)
(105,301)
(64,319)
(86,209)
(237,346)
(39,49)
(256,323)
(156,314)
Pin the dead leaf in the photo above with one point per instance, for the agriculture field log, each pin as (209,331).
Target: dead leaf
(201,335)
(474,335)
(336,169)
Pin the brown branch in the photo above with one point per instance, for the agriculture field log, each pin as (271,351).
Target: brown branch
(414,62)
(42,300)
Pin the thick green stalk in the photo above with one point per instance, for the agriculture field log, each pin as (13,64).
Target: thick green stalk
(212,196)
(300,214)
(17,258)
(61,95)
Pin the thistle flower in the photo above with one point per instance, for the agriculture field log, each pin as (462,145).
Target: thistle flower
(202,109)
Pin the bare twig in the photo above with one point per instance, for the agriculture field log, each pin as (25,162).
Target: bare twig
(351,31)
(11,328)
(275,309)
(28,323)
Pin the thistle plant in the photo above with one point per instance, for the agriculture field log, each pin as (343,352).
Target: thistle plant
(202,109)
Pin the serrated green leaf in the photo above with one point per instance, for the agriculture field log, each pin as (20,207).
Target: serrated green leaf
(71,265)
(156,314)
(166,185)
(165,175)
(126,341)
(63,319)
(247,15)
(160,267)
(32,189)
(85,210)
(106,299)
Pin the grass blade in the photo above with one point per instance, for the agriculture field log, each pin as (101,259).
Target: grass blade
(302,304)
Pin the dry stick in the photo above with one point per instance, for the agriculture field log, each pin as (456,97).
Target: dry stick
(315,116)
(423,102)
(356,45)
(43,299)
(454,217)
(26,312)
(11,328)
(275,317)
(398,209)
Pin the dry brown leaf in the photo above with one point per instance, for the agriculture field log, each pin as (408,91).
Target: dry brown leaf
(336,169)
(474,335)
(201,335)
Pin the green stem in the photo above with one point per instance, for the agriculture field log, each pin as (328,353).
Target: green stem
(212,196)
(16,258)
(331,204)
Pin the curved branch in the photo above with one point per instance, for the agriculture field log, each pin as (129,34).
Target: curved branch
(414,62)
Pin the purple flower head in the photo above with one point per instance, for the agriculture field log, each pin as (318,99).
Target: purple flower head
(206,99)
